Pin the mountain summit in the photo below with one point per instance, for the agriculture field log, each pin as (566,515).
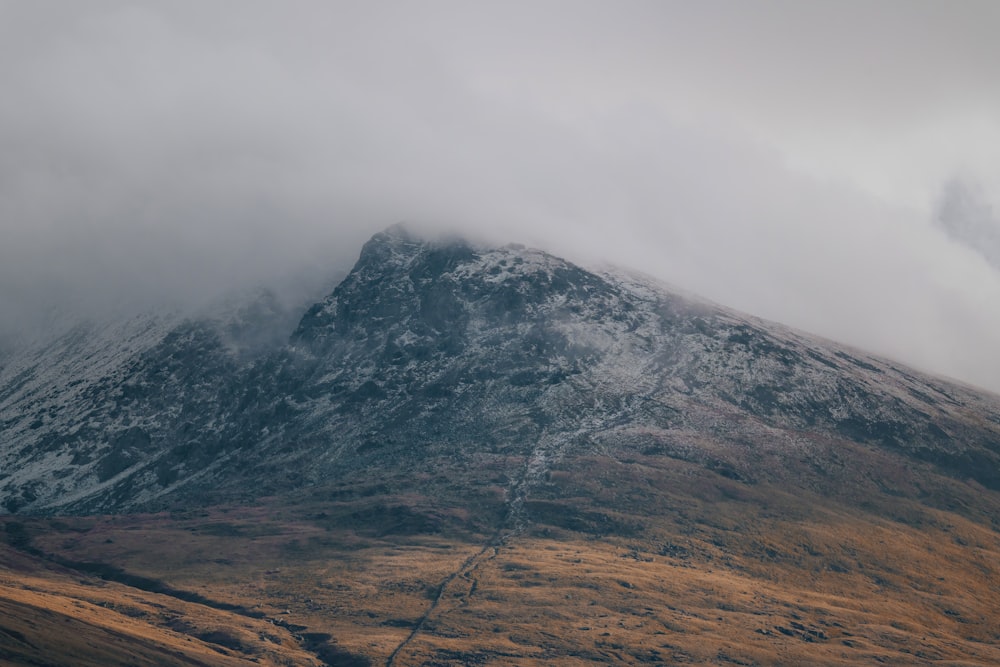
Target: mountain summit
(441,353)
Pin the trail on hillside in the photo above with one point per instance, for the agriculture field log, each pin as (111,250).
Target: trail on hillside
(488,552)
(550,450)
(536,465)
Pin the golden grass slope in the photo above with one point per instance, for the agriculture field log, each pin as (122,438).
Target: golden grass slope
(706,571)
(49,616)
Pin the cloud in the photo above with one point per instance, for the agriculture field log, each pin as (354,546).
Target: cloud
(776,157)
(963,213)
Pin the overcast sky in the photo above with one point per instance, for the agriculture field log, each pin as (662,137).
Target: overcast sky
(783,158)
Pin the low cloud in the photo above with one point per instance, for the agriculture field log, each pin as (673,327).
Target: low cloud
(169,152)
(964,214)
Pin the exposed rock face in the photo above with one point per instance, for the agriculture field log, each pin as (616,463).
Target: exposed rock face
(450,366)
(110,416)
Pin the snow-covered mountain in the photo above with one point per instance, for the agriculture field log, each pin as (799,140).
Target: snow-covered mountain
(448,367)
(83,386)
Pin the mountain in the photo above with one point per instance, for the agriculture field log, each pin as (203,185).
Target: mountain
(439,351)
(87,401)
(459,443)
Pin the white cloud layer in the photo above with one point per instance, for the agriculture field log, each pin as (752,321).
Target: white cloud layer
(780,157)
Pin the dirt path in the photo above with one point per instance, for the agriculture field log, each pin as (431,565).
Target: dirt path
(464,571)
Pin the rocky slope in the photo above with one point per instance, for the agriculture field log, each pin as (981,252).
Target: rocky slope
(495,364)
(87,405)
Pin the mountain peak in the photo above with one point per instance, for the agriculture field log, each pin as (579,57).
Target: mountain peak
(440,348)
(443,284)
(398,236)
(403,241)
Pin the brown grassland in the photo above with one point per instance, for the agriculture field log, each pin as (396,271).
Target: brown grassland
(640,562)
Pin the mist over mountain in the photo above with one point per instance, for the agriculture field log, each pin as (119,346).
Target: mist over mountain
(443,350)
(242,422)
(162,153)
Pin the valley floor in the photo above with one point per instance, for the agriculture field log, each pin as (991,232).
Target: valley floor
(723,582)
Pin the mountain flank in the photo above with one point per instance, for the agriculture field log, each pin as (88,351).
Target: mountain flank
(489,455)
(433,352)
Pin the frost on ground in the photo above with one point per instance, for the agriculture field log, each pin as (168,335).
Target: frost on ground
(443,355)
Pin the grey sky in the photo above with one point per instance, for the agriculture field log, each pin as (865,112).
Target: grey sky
(783,158)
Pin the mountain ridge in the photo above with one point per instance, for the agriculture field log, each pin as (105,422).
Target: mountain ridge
(444,349)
